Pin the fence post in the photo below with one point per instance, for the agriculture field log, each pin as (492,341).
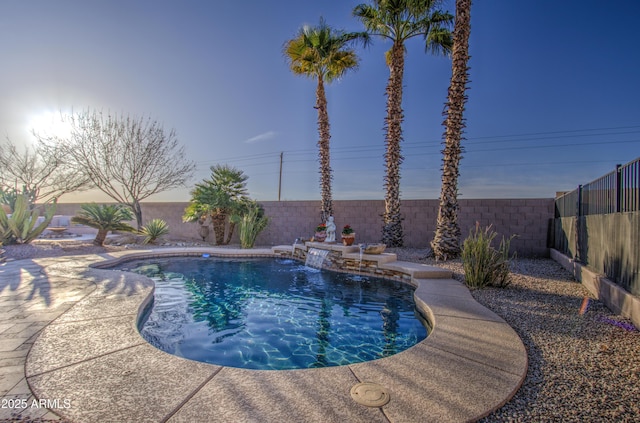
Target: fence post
(618,188)
(579,206)
(579,211)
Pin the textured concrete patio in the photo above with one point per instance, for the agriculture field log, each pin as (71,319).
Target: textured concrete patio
(68,334)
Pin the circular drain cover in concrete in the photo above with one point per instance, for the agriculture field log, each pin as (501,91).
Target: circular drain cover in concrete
(370,394)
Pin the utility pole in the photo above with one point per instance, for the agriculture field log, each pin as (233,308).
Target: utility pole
(280,178)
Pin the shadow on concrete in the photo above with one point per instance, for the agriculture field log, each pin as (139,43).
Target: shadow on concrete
(26,275)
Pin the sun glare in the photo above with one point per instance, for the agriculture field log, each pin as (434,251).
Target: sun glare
(50,124)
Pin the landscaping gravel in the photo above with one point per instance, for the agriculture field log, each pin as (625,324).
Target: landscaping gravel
(582,367)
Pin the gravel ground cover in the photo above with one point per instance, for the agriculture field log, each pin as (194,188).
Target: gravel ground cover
(582,367)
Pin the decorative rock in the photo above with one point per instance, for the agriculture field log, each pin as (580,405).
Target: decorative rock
(373,248)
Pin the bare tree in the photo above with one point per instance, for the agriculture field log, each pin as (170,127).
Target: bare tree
(127,158)
(41,173)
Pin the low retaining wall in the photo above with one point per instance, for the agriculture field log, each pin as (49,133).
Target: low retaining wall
(613,296)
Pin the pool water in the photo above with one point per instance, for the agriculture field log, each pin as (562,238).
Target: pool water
(274,314)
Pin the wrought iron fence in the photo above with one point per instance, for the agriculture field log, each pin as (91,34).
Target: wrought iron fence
(567,204)
(598,224)
(629,176)
(617,191)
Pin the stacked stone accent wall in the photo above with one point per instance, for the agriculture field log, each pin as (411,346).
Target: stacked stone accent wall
(352,262)
(528,218)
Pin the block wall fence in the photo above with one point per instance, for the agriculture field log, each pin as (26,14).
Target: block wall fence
(528,218)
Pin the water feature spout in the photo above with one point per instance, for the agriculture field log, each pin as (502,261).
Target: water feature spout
(293,249)
(315,258)
(362,248)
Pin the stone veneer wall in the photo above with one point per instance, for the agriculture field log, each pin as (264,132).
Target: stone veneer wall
(338,262)
(528,218)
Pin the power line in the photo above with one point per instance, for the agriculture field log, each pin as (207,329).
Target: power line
(361,157)
(272,158)
(238,158)
(560,132)
(554,145)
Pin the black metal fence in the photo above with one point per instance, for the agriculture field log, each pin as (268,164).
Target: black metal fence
(617,191)
(598,224)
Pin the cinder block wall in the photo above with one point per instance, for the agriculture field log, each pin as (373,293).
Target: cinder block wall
(528,218)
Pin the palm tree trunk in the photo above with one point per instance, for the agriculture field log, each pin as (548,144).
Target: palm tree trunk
(326,206)
(100,237)
(232,227)
(203,231)
(218,220)
(392,230)
(446,242)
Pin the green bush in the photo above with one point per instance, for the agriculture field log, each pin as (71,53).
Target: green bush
(154,230)
(21,227)
(253,222)
(484,265)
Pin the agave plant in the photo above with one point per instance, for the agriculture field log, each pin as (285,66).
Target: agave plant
(105,218)
(8,196)
(22,227)
(154,230)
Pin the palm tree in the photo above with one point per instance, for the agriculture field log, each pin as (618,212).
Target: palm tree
(218,197)
(446,242)
(105,218)
(397,21)
(324,54)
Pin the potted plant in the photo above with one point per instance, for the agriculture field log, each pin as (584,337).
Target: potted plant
(348,236)
(321,233)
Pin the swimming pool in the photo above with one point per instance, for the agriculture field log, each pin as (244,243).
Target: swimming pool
(274,314)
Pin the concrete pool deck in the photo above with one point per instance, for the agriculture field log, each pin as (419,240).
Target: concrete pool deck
(68,336)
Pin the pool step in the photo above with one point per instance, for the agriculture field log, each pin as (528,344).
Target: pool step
(418,271)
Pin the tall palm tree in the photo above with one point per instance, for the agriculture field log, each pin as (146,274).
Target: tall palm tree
(397,21)
(218,197)
(324,54)
(104,218)
(446,242)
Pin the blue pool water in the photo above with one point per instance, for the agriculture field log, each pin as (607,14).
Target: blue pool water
(275,314)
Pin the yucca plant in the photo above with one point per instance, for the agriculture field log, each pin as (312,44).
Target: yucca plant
(251,224)
(105,218)
(484,265)
(153,230)
(22,227)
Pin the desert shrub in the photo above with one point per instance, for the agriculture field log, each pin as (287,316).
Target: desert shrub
(484,265)
(253,222)
(154,230)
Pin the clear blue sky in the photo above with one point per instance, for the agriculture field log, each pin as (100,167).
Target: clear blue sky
(553,99)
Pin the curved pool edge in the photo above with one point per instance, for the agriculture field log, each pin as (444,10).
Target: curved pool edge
(470,364)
